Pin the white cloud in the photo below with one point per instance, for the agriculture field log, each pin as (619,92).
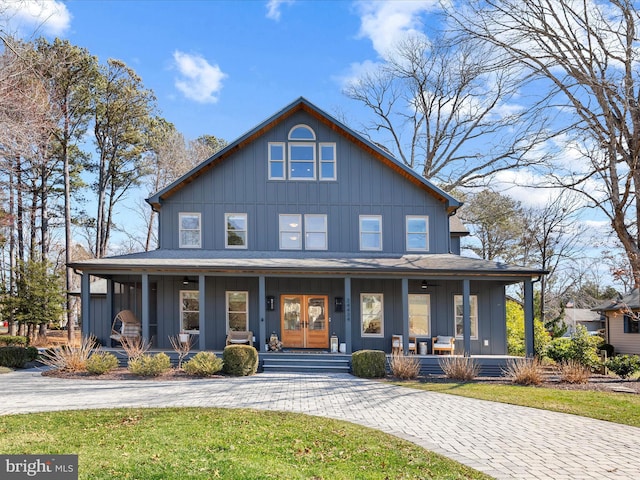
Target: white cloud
(387,22)
(199,81)
(356,72)
(273,8)
(28,17)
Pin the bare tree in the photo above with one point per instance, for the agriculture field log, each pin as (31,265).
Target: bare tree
(448,111)
(584,56)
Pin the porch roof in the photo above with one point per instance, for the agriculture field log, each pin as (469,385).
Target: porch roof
(314,263)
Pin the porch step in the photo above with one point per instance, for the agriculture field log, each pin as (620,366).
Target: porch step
(305,362)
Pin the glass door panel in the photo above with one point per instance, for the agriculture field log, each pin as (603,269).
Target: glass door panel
(292,327)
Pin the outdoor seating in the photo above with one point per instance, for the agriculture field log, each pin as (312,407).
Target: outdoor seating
(240,338)
(125,325)
(397,346)
(443,343)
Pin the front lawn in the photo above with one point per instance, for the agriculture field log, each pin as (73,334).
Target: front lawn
(613,407)
(176,443)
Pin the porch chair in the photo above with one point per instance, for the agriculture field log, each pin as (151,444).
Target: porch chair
(397,346)
(443,343)
(125,325)
(240,338)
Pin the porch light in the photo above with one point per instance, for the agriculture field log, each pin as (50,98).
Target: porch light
(185,281)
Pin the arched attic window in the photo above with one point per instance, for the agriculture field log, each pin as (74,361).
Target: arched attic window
(302,132)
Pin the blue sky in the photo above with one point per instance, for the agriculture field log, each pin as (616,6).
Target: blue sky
(221,67)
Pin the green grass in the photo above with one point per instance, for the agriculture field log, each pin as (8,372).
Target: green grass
(194,443)
(613,407)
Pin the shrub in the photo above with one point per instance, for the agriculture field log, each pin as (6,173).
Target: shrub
(369,363)
(71,359)
(607,347)
(524,371)
(624,365)
(459,368)
(404,367)
(102,362)
(13,340)
(559,349)
(33,353)
(150,365)
(203,364)
(240,360)
(581,347)
(13,357)
(572,371)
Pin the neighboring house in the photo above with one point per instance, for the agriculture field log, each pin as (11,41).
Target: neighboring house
(591,320)
(304,228)
(622,328)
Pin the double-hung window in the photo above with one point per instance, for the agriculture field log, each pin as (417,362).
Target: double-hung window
(236,230)
(419,315)
(327,161)
(372,314)
(315,232)
(370,232)
(237,311)
(189,230)
(290,232)
(277,169)
(417,233)
(473,304)
(190,311)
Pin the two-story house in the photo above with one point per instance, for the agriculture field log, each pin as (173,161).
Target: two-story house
(304,228)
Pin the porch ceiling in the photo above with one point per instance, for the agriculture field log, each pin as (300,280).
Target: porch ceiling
(316,263)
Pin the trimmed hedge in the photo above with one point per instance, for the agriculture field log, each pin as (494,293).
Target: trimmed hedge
(13,340)
(240,360)
(14,357)
(369,363)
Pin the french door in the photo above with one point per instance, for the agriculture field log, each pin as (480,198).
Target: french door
(305,323)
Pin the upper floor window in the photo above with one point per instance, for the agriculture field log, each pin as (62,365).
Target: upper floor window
(290,232)
(370,232)
(459,314)
(236,230)
(301,132)
(302,161)
(276,161)
(417,233)
(327,161)
(315,232)
(189,230)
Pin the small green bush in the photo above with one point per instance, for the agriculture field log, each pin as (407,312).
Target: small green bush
(150,365)
(369,363)
(559,349)
(14,340)
(101,363)
(624,365)
(607,347)
(33,354)
(581,347)
(203,364)
(13,357)
(240,360)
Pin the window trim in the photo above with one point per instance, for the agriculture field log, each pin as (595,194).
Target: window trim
(362,217)
(313,162)
(180,229)
(362,314)
(325,231)
(280,231)
(321,161)
(473,307)
(408,233)
(283,161)
(182,311)
(427,296)
(246,311)
(226,231)
(627,322)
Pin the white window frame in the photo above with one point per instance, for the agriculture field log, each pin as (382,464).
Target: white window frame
(290,230)
(226,230)
(245,311)
(323,161)
(369,217)
(283,161)
(427,298)
(363,296)
(426,232)
(180,229)
(183,293)
(306,127)
(459,319)
(307,231)
(311,162)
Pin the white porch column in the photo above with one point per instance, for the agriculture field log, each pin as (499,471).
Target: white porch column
(528,318)
(466,316)
(202,310)
(262,312)
(85,295)
(347,313)
(404,288)
(145,306)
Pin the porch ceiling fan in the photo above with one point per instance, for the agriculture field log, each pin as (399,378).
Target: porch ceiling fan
(424,285)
